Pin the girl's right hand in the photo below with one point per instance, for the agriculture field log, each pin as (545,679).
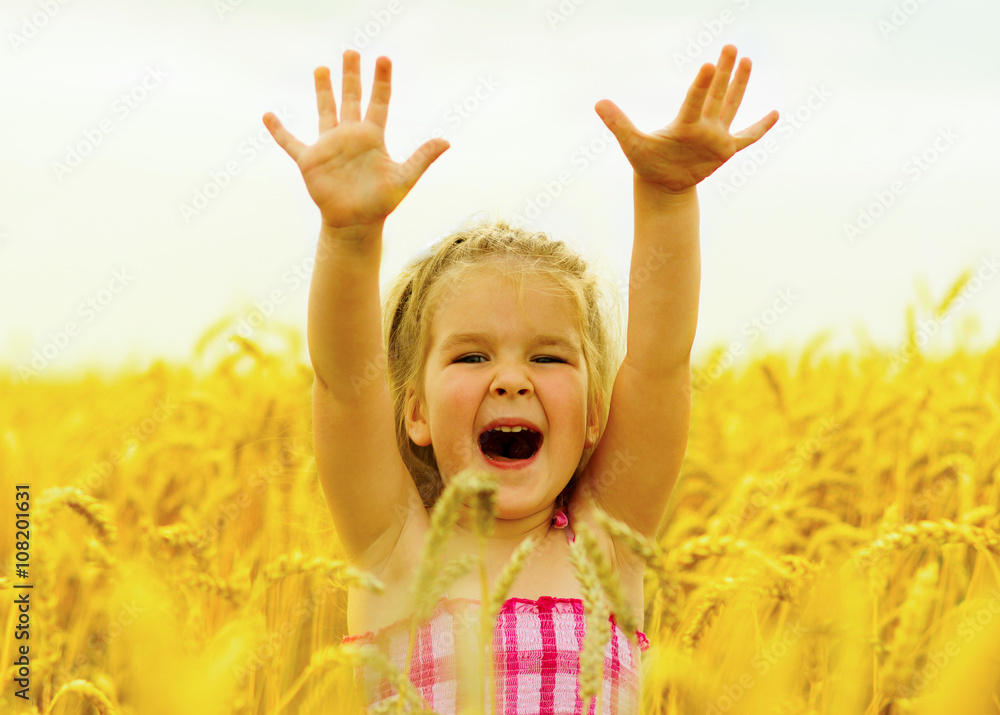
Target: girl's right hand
(348,171)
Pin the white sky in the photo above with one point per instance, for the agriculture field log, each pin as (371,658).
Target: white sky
(876,102)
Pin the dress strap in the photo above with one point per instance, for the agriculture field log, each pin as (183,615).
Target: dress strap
(561,521)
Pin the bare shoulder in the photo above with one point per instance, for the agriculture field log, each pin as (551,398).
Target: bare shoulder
(393,561)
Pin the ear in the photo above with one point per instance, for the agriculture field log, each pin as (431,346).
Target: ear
(593,425)
(415,417)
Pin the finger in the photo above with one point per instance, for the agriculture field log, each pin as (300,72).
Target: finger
(619,124)
(414,167)
(734,96)
(325,102)
(695,99)
(292,146)
(378,107)
(755,131)
(717,90)
(351,88)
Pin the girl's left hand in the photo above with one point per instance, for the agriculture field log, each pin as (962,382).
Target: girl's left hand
(698,141)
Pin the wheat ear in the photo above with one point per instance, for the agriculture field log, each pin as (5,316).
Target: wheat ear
(598,633)
(298,563)
(912,620)
(320,661)
(507,575)
(89,691)
(927,533)
(92,510)
(654,557)
(606,576)
(371,657)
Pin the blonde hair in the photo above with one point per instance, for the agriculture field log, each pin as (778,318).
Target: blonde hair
(514,253)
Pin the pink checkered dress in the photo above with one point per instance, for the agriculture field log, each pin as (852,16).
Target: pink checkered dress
(536,654)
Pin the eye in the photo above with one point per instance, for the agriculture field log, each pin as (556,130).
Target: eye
(545,359)
(471,358)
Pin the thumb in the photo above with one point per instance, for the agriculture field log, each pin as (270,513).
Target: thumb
(292,146)
(414,167)
(619,124)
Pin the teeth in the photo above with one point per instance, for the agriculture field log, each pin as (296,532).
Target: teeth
(510,429)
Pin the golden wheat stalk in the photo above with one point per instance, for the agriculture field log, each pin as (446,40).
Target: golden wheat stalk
(180,536)
(425,591)
(782,582)
(706,546)
(953,292)
(928,533)
(508,574)
(320,662)
(341,571)
(370,657)
(608,579)
(88,691)
(92,510)
(710,604)
(455,570)
(598,613)
(913,617)
(231,590)
(443,519)
(655,561)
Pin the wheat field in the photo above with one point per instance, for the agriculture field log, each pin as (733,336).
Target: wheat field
(831,548)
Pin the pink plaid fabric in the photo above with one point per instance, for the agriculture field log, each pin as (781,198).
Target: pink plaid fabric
(536,653)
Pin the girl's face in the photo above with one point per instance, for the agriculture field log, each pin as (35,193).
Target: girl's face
(493,367)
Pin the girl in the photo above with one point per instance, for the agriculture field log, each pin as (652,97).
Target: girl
(498,359)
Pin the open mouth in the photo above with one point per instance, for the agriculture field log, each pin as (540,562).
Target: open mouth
(510,444)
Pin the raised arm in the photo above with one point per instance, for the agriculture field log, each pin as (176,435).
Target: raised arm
(355,185)
(664,283)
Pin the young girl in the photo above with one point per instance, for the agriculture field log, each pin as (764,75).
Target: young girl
(498,359)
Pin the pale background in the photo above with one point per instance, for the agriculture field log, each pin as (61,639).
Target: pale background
(885,79)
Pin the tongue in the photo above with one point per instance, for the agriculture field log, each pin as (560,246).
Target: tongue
(507,448)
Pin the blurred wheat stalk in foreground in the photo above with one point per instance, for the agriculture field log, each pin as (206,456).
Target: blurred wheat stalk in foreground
(831,547)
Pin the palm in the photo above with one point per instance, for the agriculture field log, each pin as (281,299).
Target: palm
(351,176)
(348,171)
(698,141)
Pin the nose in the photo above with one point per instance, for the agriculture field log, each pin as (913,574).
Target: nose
(511,380)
